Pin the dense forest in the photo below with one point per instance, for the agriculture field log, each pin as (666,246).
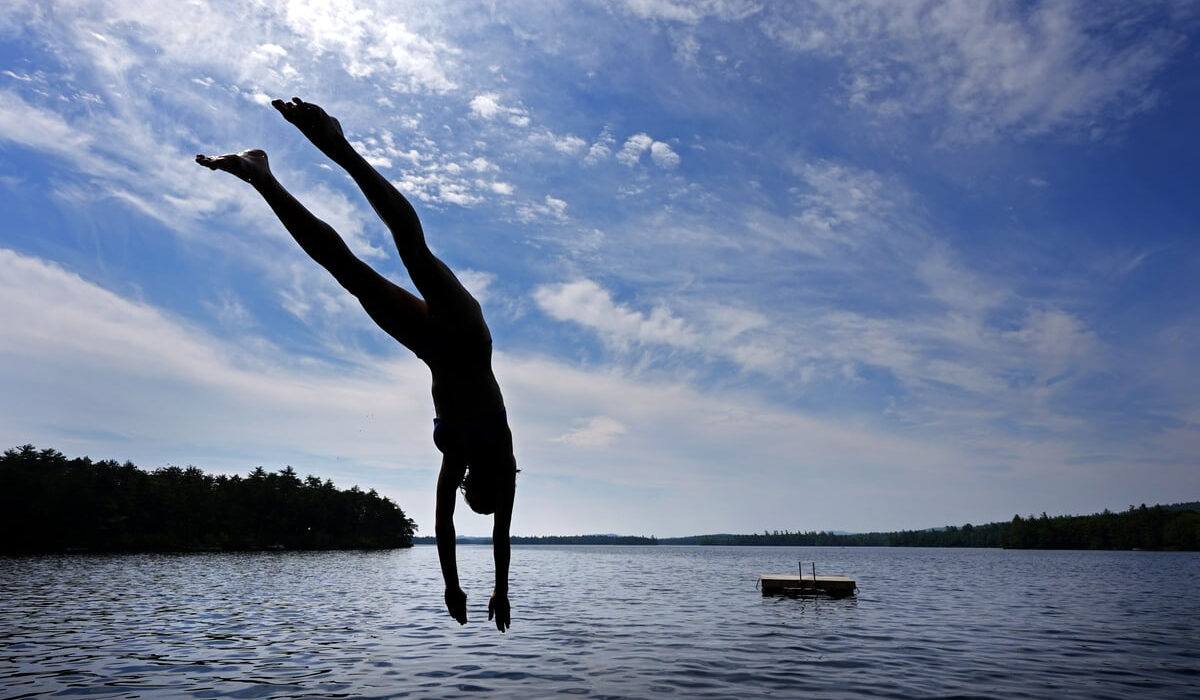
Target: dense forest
(49,503)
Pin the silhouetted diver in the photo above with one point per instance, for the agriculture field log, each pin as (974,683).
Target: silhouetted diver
(445,329)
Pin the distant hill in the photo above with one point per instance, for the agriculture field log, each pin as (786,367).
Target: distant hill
(1171,527)
(552,539)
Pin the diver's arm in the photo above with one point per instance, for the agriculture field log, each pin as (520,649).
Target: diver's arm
(501,550)
(447,491)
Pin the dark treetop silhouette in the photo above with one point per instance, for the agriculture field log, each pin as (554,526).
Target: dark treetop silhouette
(445,329)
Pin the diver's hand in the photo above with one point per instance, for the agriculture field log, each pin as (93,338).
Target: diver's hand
(498,607)
(456,603)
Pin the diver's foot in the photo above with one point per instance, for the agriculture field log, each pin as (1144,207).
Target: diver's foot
(321,129)
(250,166)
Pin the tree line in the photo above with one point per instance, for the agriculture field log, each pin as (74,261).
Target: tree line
(50,503)
(552,539)
(1175,527)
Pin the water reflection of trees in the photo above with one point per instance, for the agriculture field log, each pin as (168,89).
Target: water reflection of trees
(51,503)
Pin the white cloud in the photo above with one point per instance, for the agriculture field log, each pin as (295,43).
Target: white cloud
(274,50)
(843,207)
(665,9)
(597,431)
(590,305)
(692,11)
(729,323)
(372,44)
(760,357)
(550,208)
(482,165)
(487,106)
(687,47)
(597,152)
(635,146)
(503,188)
(663,156)
(1057,341)
(121,159)
(601,148)
(633,149)
(440,187)
(230,312)
(478,283)
(949,281)
(307,292)
(568,144)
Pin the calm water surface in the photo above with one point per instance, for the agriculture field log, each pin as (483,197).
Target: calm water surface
(602,622)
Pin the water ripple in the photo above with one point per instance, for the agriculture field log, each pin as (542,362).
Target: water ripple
(601,622)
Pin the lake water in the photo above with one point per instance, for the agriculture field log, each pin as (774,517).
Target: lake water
(649,622)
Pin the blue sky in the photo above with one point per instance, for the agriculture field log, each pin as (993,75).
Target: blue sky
(853,265)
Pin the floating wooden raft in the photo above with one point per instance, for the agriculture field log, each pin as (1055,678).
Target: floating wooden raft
(809,584)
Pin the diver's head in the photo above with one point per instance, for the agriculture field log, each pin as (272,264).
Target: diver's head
(485,489)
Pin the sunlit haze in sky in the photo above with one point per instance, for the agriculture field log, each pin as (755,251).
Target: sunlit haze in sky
(748,265)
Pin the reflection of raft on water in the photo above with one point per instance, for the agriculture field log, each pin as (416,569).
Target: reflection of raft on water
(807,584)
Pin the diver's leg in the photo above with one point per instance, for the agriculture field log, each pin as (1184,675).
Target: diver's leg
(397,312)
(433,279)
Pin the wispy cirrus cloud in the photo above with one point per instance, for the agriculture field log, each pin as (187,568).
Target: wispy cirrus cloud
(178,385)
(43,130)
(959,347)
(988,69)
(976,71)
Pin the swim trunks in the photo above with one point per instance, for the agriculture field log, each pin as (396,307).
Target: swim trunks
(467,438)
